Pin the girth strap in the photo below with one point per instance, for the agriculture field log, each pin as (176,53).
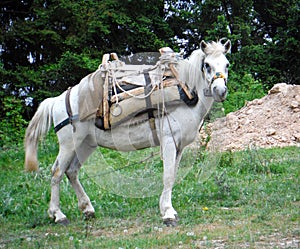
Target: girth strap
(150,108)
(64,123)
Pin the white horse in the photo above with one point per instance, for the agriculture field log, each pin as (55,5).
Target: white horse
(179,128)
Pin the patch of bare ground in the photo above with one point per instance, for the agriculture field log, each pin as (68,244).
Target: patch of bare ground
(240,233)
(272,241)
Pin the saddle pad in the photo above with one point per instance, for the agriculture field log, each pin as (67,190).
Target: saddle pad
(132,107)
(90,94)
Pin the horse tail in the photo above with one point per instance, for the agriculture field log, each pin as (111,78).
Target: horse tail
(38,127)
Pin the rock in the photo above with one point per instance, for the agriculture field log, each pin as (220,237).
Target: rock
(249,111)
(294,104)
(297,137)
(271,132)
(280,87)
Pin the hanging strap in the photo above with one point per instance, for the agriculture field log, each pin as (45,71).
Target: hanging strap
(149,107)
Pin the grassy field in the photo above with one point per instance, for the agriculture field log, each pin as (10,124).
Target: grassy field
(248,199)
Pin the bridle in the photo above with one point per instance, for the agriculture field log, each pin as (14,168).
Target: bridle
(219,75)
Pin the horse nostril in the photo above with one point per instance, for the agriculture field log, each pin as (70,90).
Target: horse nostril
(221,92)
(224,92)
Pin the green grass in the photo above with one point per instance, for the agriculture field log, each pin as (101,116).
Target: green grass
(249,199)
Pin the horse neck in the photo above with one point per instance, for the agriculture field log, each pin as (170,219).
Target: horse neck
(191,73)
(198,82)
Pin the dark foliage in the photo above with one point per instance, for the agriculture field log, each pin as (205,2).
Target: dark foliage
(49,45)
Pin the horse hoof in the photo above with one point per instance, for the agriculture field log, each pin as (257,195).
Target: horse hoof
(89,215)
(63,222)
(170,222)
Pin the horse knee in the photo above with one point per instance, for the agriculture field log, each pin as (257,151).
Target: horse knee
(56,171)
(56,178)
(73,170)
(72,175)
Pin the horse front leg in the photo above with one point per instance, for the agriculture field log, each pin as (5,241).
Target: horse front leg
(171,159)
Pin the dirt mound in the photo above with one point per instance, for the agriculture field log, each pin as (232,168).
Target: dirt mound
(272,121)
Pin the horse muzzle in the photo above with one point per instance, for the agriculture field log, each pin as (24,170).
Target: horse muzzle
(219,89)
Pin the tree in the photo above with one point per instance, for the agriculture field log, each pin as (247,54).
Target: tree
(264,34)
(48,46)
(280,22)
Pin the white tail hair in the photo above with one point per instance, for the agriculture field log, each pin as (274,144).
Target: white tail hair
(37,129)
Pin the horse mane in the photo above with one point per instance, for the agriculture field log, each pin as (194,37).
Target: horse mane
(215,48)
(190,69)
(196,61)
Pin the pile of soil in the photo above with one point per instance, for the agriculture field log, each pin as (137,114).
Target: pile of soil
(272,121)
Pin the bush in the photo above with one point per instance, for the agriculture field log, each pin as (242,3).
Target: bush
(12,125)
(241,90)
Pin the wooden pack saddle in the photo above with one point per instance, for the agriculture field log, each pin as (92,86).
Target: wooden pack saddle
(135,92)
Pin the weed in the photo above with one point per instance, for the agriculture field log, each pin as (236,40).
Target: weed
(246,199)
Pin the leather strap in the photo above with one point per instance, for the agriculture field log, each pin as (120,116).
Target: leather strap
(150,108)
(70,118)
(64,123)
(68,107)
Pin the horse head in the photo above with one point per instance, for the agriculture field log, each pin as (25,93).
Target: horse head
(215,67)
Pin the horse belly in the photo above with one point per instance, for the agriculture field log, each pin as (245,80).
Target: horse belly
(127,138)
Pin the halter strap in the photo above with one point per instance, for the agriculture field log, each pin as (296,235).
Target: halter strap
(217,76)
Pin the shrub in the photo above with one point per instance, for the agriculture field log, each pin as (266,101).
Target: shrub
(241,90)
(12,125)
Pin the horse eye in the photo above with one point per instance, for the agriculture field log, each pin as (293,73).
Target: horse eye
(207,67)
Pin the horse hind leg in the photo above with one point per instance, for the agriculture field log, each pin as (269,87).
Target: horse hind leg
(84,203)
(60,165)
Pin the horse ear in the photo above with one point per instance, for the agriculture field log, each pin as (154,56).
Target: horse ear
(227,46)
(203,46)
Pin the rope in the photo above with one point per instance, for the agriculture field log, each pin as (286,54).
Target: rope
(135,96)
(161,110)
(162,116)
(162,113)
(115,88)
(116,84)
(124,167)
